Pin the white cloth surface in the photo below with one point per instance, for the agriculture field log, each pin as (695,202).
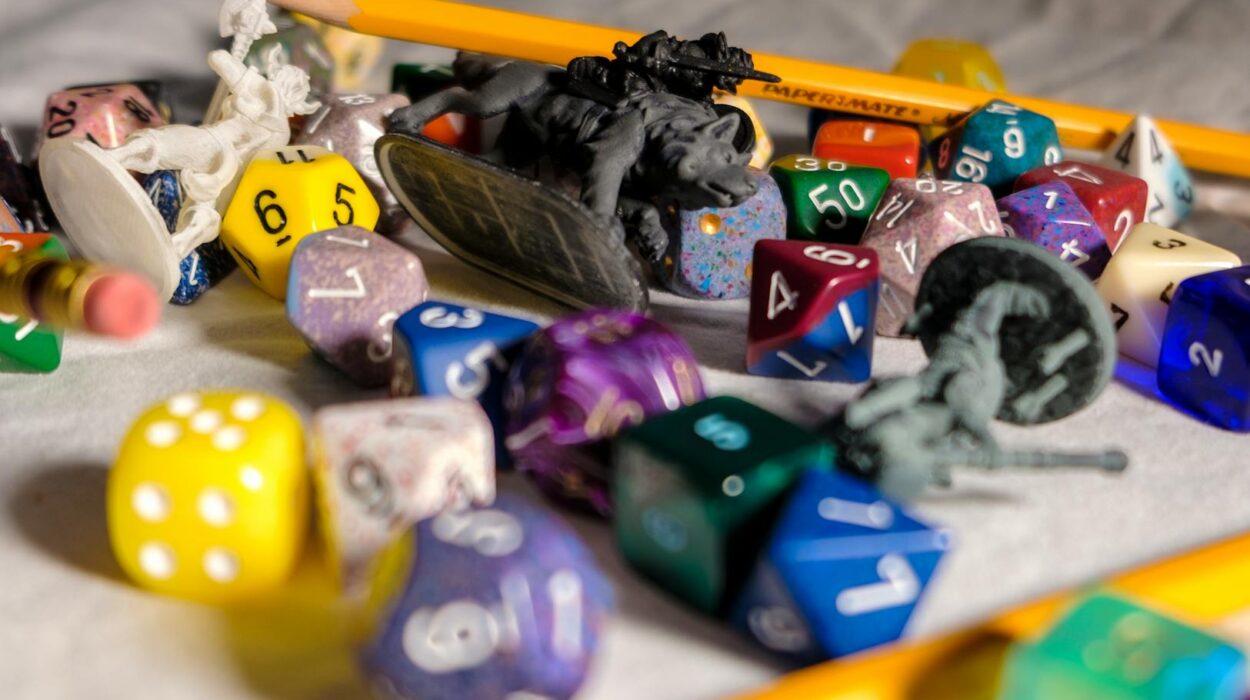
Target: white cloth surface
(70,626)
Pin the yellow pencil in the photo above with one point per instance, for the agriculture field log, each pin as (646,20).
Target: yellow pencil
(808,83)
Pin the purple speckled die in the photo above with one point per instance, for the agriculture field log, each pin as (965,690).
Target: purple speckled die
(709,251)
(347,286)
(503,603)
(1052,216)
(349,125)
(582,380)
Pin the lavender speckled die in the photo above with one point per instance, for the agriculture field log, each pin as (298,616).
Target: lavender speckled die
(709,251)
(579,382)
(206,265)
(504,603)
(347,286)
(1052,216)
(349,125)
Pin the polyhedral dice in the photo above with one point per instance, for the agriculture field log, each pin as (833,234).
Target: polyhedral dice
(382,466)
(208,498)
(843,570)
(762,152)
(581,381)
(1116,200)
(1052,216)
(17,187)
(1142,150)
(206,265)
(154,90)
(892,147)
(709,250)
(813,311)
(1109,648)
(420,80)
(828,200)
(26,345)
(347,288)
(104,115)
(301,46)
(916,220)
(285,195)
(8,219)
(695,491)
(953,62)
(995,145)
(1204,363)
(355,55)
(502,603)
(1141,279)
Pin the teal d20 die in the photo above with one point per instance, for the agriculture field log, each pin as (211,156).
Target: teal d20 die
(995,145)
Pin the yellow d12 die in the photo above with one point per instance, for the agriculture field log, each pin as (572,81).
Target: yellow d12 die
(951,61)
(209,497)
(762,152)
(1138,283)
(285,195)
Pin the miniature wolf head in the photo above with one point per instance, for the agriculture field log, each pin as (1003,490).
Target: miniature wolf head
(701,167)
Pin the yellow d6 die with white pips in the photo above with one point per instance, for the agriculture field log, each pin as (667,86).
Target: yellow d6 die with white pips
(209,497)
(286,194)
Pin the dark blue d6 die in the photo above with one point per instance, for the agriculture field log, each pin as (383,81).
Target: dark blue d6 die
(502,603)
(442,349)
(842,572)
(1204,364)
(206,265)
(1052,216)
(995,145)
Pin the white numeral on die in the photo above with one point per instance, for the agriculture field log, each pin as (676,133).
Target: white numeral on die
(1200,355)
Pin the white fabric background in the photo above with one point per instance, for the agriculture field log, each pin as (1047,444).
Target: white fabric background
(71,627)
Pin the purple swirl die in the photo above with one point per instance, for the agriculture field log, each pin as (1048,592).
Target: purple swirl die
(581,381)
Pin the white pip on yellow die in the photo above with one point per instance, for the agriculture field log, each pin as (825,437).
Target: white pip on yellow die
(208,499)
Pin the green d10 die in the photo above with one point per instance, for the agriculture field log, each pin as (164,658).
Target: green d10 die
(25,345)
(828,200)
(696,491)
(1111,649)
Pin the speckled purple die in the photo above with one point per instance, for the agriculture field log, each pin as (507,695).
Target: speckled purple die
(347,286)
(349,125)
(709,251)
(503,603)
(1052,216)
(581,381)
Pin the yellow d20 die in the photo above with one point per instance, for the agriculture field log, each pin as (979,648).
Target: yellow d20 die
(950,61)
(286,194)
(762,152)
(209,498)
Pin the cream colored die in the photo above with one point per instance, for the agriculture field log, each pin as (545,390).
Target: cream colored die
(208,499)
(1143,274)
(762,153)
(382,466)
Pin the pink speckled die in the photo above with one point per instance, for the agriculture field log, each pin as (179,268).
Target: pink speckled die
(104,115)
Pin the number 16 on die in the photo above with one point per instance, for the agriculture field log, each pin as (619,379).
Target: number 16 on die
(443,349)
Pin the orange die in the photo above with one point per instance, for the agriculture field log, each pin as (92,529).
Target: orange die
(894,148)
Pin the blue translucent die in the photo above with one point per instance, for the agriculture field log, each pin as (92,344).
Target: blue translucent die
(1204,364)
(995,145)
(442,349)
(206,265)
(842,572)
(1111,649)
(828,352)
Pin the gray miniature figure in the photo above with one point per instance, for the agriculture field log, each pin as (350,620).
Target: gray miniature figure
(1012,332)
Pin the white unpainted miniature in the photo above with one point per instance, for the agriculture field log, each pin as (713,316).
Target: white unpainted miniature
(109,217)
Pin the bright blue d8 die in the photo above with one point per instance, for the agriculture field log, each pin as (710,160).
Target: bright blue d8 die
(1204,364)
(1052,216)
(843,571)
(995,145)
(442,349)
(206,265)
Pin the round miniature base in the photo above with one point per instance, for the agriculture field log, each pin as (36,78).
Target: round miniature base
(1076,376)
(106,214)
(511,225)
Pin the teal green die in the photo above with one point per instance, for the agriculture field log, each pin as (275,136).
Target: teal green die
(1111,649)
(29,346)
(696,491)
(828,200)
(995,145)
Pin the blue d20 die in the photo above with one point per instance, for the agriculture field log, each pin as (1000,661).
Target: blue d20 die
(837,349)
(852,566)
(206,265)
(442,349)
(995,145)
(1204,364)
(1052,216)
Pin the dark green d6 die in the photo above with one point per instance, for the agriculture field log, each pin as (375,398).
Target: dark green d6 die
(828,200)
(696,491)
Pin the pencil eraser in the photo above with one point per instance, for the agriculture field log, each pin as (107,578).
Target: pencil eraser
(122,305)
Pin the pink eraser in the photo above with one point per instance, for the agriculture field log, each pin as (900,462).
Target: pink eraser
(121,304)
